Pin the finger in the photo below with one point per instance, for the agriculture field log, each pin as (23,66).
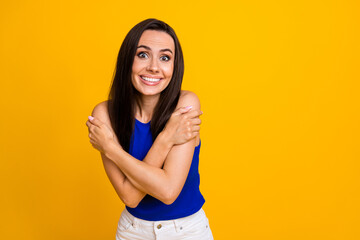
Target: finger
(195,121)
(93,143)
(185,109)
(196,128)
(182,110)
(192,129)
(193,113)
(95,121)
(91,127)
(192,135)
(88,124)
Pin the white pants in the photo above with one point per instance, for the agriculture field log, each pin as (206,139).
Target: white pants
(195,226)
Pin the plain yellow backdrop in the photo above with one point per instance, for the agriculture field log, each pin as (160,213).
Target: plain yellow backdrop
(279,86)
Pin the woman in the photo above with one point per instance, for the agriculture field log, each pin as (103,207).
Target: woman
(149,118)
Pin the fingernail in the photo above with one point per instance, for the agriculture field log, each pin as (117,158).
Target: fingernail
(188,107)
(91,118)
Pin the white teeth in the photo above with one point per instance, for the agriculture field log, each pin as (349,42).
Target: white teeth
(151,79)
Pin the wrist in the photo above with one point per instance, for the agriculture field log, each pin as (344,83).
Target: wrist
(165,139)
(110,149)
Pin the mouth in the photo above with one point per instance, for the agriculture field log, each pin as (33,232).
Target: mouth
(150,79)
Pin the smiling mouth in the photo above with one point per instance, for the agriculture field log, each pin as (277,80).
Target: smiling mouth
(150,79)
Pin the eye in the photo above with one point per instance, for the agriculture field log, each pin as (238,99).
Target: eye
(165,58)
(142,55)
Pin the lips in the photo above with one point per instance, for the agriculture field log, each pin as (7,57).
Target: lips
(150,80)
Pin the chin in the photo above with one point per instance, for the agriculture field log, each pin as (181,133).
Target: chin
(150,91)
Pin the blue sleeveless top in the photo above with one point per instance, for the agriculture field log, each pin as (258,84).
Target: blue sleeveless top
(189,201)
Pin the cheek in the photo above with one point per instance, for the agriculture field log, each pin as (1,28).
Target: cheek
(169,70)
(136,66)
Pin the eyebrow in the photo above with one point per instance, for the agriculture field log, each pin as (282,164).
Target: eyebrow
(161,50)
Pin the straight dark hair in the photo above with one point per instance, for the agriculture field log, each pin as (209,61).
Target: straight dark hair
(123,96)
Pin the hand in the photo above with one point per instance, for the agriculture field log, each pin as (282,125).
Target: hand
(100,134)
(183,125)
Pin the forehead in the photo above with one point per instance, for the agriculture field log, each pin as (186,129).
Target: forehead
(156,40)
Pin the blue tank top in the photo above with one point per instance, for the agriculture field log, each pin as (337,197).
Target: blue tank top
(189,201)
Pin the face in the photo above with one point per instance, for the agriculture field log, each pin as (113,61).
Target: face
(153,63)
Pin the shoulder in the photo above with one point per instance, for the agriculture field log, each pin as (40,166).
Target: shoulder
(188,98)
(100,112)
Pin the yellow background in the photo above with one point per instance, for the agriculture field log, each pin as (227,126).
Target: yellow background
(279,86)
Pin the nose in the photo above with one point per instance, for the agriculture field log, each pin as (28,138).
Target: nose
(153,65)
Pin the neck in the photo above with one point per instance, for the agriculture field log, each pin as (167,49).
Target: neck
(144,111)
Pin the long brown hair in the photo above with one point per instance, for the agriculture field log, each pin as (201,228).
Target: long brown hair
(123,95)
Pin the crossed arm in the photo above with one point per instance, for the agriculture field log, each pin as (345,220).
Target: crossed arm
(128,193)
(133,179)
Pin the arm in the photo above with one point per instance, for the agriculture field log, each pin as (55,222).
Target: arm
(130,195)
(164,184)
(182,126)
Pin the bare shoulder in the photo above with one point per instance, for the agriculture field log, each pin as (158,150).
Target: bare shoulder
(188,98)
(100,112)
